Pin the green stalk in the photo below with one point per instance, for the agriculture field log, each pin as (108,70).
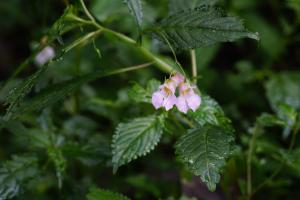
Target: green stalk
(194,65)
(249,159)
(162,65)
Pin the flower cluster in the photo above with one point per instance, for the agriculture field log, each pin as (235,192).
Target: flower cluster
(165,96)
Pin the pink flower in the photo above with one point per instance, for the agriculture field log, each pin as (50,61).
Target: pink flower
(165,96)
(187,99)
(178,79)
(44,55)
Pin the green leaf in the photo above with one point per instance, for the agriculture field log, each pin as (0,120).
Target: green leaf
(283,91)
(65,23)
(106,10)
(58,91)
(295,5)
(135,8)
(134,139)
(140,94)
(201,27)
(100,194)
(210,112)
(203,150)
(180,5)
(56,156)
(14,174)
(270,120)
(284,88)
(17,94)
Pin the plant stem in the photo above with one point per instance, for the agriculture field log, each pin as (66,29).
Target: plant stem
(249,158)
(283,162)
(194,65)
(89,15)
(159,62)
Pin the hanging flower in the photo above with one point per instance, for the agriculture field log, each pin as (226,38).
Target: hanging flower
(187,99)
(165,96)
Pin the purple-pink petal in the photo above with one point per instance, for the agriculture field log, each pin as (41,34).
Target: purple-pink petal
(193,101)
(170,101)
(181,104)
(178,78)
(157,99)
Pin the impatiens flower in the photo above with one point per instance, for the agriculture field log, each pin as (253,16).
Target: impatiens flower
(165,96)
(178,79)
(187,99)
(44,56)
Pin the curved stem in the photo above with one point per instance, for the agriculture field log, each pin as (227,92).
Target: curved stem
(87,11)
(159,62)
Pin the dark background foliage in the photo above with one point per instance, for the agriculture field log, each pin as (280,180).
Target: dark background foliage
(72,137)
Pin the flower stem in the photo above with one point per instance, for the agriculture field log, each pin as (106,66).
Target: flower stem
(194,65)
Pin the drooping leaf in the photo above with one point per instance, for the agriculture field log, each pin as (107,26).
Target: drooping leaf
(134,139)
(135,8)
(203,150)
(201,27)
(180,5)
(56,92)
(210,112)
(15,173)
(100,194)
(16,95)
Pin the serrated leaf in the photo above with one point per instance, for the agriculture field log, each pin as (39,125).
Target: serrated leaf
(210,112)
(134,139)
(180,5)
(17,94)
(201,27)
(135,8)
(15,173)
(203,150)
(100,194)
